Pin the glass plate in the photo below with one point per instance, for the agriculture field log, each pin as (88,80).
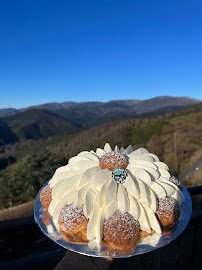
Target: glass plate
(91,248)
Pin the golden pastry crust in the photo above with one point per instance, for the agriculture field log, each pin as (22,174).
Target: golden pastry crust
(144,234)
(113,160)
(168,211)
(46,197)
(121,230)
(72,219)
(78,238)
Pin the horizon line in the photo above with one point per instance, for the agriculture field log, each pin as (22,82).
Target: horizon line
(94,101)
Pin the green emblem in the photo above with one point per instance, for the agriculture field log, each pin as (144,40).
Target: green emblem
(119,175)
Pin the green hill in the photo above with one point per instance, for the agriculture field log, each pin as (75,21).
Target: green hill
(37,124)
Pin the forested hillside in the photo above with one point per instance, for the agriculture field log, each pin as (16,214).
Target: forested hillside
(6,135)
(37,124)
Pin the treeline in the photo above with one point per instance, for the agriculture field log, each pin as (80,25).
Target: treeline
(21,183)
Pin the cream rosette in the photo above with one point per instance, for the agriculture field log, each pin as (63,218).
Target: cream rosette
(83,182)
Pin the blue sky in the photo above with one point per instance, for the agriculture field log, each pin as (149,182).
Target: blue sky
(99,50)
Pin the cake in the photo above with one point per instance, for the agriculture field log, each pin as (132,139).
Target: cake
(114,196)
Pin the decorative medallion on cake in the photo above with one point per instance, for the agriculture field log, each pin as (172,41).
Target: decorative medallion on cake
(119,175)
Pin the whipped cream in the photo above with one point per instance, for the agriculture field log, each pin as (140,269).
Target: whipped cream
(83,182)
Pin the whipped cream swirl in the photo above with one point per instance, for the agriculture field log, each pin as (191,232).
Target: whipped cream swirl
(83,182)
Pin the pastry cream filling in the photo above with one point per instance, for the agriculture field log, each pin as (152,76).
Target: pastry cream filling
(83,182)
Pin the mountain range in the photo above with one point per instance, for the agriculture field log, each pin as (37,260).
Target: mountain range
(53,119)
(129,106)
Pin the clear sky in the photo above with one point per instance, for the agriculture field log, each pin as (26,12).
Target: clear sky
(99,50)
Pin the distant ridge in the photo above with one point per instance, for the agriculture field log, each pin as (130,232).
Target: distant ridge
(38,124)
(8,112)
(125,106)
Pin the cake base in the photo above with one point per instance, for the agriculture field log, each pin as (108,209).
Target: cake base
(92,248)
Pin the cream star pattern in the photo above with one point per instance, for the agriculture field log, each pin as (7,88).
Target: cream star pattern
(83,182)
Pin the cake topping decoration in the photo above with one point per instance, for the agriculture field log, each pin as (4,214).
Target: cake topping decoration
(119,175)
(91,181)
(112,160)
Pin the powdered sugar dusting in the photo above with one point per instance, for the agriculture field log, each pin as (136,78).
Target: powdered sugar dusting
(175,181)
(113,160)
(72,217)
(46,196)
(121,228)
(168,206)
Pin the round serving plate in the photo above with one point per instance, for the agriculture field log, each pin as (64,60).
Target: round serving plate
(91,248)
